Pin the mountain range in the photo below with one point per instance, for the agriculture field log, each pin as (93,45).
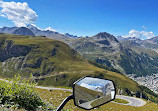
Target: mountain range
(54,63)
(128,55)
(36,32)
(55,59)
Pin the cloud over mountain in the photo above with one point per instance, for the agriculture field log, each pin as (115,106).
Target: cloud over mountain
(140,34)
(20,13)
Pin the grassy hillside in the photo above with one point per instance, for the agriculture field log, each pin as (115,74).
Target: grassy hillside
(54,63)
(56,97)
(105,49)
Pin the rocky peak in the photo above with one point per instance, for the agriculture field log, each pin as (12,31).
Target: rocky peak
(8,30)
(69,35)
(33,27)
(23,31)
(133,39)
(105,36)
(153,40)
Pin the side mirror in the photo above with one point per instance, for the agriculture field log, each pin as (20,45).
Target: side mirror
(91,92)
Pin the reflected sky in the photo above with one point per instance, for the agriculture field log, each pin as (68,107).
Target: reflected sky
(92,83)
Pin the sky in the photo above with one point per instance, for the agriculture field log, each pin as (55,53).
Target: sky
(92,83)
(127,18)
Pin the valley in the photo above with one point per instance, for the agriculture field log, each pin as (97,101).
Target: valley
(150,81)
(54,63)
(50,48)
(127,55)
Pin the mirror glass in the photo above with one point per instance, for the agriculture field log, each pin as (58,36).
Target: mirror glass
(92,92)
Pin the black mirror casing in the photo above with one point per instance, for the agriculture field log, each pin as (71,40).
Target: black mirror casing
(93,95)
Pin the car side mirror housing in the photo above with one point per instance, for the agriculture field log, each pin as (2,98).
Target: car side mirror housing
(89,92)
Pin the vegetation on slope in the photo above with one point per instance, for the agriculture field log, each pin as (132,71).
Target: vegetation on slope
(142,59)
(140,64)
(54,63)
(20,93)
(120,101)
(104,49)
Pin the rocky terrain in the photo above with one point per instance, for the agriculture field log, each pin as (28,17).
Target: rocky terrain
(128,55)
(105,49)
(150,47)
(8,30)
(23,31)
(32,30)
(133,42)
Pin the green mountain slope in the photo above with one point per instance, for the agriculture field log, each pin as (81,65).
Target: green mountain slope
(145,55)
(54,63)
(105,49)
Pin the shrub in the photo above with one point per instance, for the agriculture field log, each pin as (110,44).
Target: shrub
(20,93)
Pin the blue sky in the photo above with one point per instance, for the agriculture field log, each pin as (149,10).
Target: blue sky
(93,83)
(88,17)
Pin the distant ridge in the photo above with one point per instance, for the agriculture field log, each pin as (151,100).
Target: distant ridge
(23,31)
(35,31)
(128,55)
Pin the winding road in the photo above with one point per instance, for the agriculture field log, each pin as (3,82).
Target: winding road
(137,102)
(53,88)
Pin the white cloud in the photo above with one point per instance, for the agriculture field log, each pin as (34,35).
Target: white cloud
(148,35)
(50,29)
(140,34)
(92,87)
(20,13)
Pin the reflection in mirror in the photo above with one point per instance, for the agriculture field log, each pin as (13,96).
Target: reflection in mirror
(91,92)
